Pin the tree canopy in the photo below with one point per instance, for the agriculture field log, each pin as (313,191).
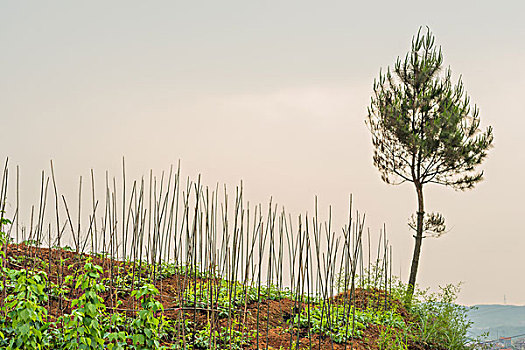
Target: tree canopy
(423,128)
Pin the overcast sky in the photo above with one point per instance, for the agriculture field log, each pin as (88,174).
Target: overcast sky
(274,93)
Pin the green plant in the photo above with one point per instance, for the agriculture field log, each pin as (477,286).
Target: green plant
(223,337)
(223,296)
(440,321)
(146,325)
(4,237)
(26,323)
(56,291)
(116,334)
(82,327)
(392,338)
(342,322)
(174,328)
(334,321)
(31,242)
(65,248)
(226,296)
(168,269)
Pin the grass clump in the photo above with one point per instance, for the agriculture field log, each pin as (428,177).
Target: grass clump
(439,320)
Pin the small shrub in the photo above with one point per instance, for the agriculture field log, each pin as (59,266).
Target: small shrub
(440,321)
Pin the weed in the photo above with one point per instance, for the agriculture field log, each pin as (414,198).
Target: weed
(441,321)
(392,338)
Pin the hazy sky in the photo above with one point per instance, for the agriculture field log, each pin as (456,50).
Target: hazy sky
(274,93)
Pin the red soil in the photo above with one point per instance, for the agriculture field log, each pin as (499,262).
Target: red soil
(273,330)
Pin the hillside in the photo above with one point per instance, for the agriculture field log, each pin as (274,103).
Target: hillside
(188,310)
(498,320)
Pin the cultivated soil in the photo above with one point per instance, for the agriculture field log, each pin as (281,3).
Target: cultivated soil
(274,331)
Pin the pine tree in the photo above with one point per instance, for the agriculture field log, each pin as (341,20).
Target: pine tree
(424,131)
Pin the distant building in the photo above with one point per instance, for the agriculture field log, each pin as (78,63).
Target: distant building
(505,343)
(519,344)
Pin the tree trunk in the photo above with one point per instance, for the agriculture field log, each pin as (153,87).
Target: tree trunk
(417,244)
